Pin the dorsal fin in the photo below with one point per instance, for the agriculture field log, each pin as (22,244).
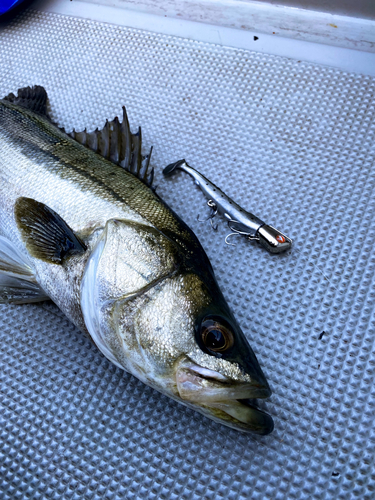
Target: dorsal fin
(116,143)
(33,98)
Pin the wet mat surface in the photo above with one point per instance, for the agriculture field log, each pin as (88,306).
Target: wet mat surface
(292,142)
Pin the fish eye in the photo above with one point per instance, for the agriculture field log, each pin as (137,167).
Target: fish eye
(215,336)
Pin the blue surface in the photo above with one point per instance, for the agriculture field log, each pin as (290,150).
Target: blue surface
(6,5)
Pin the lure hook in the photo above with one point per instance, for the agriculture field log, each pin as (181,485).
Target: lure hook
(213,213)
(236,232)
(226,239)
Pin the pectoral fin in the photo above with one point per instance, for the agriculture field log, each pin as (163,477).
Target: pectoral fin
(46,235)
(17,280)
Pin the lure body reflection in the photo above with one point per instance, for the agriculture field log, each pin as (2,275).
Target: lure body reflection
(239,220)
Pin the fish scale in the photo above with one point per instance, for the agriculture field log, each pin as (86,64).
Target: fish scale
(93,236)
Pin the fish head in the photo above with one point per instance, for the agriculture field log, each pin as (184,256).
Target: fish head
(169,325)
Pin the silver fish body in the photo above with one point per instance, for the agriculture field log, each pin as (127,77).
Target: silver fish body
(83,231)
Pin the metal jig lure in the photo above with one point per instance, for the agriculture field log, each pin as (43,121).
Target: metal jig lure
(239,220)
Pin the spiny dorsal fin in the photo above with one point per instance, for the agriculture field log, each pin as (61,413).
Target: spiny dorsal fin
(116,143)
(47,236)
(33,98)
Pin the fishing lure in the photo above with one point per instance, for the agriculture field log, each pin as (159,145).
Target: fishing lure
(239,220)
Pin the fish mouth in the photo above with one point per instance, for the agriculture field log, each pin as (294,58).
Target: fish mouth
(224,400)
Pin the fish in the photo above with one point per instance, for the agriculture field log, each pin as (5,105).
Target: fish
(82,225)
(240,221)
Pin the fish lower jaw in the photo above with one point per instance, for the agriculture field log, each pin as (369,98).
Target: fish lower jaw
(225,402)
(242,416)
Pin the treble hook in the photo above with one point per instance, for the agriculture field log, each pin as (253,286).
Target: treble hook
(213,208)
(226,239)
(237,232)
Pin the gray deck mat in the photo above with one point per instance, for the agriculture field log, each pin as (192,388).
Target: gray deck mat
(294,143)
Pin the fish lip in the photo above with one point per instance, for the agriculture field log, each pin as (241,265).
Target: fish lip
(260,422)
(253,390)
(222,399)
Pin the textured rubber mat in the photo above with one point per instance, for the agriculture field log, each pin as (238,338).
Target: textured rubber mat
(292,142)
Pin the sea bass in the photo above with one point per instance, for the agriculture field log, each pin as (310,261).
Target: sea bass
(80,224)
